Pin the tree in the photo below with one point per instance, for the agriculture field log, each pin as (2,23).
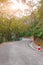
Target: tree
(38,25)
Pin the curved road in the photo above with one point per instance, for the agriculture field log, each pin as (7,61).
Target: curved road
(19,53)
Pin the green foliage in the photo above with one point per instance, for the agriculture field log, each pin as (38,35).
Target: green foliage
(37,26)
(13,29)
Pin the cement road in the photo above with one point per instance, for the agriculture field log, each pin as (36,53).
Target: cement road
(19,53)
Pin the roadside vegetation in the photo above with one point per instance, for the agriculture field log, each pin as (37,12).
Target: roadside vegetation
(38,34)
(13,29)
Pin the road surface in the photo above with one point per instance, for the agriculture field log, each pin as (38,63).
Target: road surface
(19,53)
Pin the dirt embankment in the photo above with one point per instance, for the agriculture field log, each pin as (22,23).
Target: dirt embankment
(39,40)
